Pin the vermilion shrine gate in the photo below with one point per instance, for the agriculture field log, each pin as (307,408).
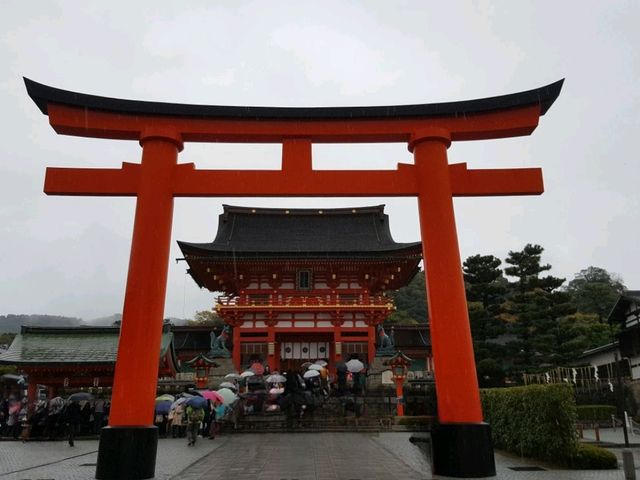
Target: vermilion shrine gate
(461,442)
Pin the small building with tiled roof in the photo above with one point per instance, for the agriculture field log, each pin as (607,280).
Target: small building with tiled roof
(75,357)
(626,314)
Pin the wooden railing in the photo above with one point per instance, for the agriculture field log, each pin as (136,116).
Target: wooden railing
(280,300)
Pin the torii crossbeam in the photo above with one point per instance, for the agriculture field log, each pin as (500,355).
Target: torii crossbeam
(461,441)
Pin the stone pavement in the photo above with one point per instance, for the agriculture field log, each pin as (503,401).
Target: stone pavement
(57,461)
(294,456)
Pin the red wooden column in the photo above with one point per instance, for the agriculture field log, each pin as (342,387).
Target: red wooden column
(371,343)
(456,381)
(32,393)
(136,375)
(237,348)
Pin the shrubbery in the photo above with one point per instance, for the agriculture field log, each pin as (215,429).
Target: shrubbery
(595,413)
(590,457)
(539,421)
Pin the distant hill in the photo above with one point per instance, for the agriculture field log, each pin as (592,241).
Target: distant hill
(116,319)
(12,323)
(104,321)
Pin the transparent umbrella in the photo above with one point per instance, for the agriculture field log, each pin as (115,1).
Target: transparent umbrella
(276,378)
(354,365)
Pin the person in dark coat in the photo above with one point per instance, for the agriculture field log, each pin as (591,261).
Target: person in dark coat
(72,418)
(86,418)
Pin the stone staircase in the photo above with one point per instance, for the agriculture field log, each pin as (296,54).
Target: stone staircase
(375,415)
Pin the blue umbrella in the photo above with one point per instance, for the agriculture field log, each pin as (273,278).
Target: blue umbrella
(163,408)
(197,402)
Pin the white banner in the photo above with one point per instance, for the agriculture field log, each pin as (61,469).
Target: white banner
(304,350)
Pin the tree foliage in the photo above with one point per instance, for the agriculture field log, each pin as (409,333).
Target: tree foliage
(410,302)
(523,319)
(207,318)
(594,290)
(6,338)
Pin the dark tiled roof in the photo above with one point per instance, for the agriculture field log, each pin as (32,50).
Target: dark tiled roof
(42,95)
(73,345)
(262,231)
(632,294)
(192,340)
(617,313)
(411,336)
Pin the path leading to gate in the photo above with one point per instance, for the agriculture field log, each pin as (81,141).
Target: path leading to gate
(294,456)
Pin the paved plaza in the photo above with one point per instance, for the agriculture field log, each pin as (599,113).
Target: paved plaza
(294,456)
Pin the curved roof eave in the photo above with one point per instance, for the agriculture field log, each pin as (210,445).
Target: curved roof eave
(208,249)
(544,96)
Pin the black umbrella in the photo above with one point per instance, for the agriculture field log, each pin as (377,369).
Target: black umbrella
(341,367)
(80,397)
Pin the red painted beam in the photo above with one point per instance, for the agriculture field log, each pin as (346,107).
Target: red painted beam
(93,181)
(191,182)
(83,122)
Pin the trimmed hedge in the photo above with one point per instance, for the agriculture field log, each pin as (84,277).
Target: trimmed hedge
(595,413)
(590,457)
(539,421)
(533,421)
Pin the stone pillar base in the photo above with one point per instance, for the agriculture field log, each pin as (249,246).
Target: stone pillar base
(127,452)
(462,450)
(216,375)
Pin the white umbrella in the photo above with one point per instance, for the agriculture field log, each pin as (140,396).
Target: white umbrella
(276,378)
(322,363)
(354,365)
(228,395)
(229,385)
(315,366)
(232,376)
(179,401)
(248,373)
(311,373)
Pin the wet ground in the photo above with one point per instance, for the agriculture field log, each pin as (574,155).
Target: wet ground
(295,456)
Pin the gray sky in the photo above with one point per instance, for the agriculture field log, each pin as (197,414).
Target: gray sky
(69,256)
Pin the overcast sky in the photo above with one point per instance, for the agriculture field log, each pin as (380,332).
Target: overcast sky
(69,255)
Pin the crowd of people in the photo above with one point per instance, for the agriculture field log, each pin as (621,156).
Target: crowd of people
(51,419)
(293,392)
(186,418)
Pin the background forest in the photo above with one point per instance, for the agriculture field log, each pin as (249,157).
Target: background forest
(523,320)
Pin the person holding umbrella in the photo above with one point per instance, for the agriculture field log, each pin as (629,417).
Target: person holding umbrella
(72,418)
(341,373)
(195,415)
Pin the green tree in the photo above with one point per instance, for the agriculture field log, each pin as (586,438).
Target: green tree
(526,267)
(579,332)
(485,288)
(410,302)
(206,318)
(6,338)
(535,307)
(594,290)
(483,279)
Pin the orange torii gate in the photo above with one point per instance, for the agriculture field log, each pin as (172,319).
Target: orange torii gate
(461,441)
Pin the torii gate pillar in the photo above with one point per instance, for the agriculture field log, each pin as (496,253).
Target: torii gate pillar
(461,442)
(460,423)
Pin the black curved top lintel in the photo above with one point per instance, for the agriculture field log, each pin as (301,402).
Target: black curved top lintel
(42,95)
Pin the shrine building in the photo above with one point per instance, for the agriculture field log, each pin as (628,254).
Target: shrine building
(71,358)
(302,284)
